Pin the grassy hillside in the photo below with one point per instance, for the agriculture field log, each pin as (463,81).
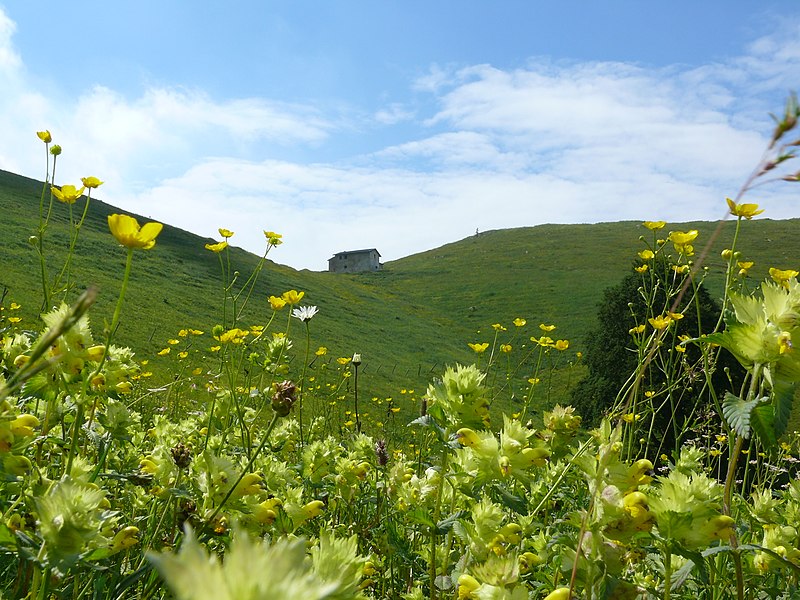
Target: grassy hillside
(407,320)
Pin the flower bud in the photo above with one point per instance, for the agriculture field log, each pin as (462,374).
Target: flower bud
(284,397)
(181,455)
(381,453)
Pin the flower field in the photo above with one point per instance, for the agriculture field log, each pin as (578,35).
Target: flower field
(267,475)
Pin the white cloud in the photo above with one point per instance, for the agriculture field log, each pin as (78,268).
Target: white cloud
(9,59)
(393,114)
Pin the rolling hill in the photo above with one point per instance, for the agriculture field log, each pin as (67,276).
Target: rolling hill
(407,321)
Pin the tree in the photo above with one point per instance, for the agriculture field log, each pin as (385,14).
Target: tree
(673,392)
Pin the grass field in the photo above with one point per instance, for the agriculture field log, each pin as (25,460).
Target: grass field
(407,321)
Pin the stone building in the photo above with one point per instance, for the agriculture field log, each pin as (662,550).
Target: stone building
(355,261)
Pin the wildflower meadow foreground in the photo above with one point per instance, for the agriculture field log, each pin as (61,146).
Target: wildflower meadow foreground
(682,483)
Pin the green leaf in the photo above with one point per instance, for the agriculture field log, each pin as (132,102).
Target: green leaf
(512,501)
(695,558)
(763,421)
(446,524)
(7,539)
(429,422)
(421,517)
(737,413)
(783,399)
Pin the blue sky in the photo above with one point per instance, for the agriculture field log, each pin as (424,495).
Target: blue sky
(399,125)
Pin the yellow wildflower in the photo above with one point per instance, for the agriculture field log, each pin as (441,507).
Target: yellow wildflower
(235,336)
(125,539)
(91,182)
(45,136)
(683,241)
(561,593)
(654,225)
(748,211)
(519,322)
(273,239)
(660,322)
(498,327)
(637,329)
(782,276)
(321,351)
(479,348)
(680,269)
(343,360)
(276,303)
(641,269)
(547,328)
(173,341)
(164,352)
(646,254)
(68,194)
(226,233)
(128,233)
(292,296)
(506,348)
(562,344)
(218,247)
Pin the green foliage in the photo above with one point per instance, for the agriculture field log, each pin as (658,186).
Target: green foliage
(623,363)
(737,413)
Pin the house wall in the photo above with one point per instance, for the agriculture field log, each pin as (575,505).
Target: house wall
(354,262)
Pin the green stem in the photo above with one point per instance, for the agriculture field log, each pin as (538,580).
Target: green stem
(117,312)
(729,275)
(251,283)
(247,468)
(355,398)
(436,516)
(74,234)
(303,384)
(667,573)
(76,430)
(729,481)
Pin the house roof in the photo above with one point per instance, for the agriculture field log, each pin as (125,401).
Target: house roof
(364,251)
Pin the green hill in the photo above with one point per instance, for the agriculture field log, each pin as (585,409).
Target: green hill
(407,320)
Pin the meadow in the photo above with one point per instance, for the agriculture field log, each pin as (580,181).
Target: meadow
(179,418)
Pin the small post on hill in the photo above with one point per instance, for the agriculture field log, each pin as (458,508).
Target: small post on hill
(356,363)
